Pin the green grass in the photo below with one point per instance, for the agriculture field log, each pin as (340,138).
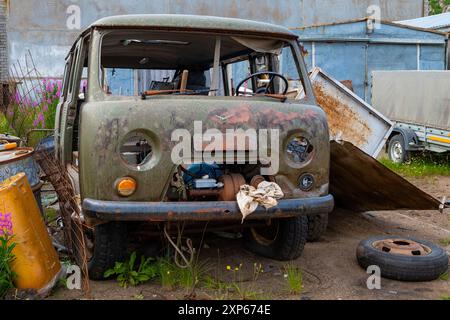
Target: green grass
(445,298)
(421,166)
(7,276)
(4,125)
(444,277)
(167,273)
(294,278)
(445,242)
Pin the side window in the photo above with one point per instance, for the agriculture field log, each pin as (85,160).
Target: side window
(288,68)
(77,82)
(66,77)
(73,71)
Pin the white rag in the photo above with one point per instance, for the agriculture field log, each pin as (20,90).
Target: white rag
(266,194)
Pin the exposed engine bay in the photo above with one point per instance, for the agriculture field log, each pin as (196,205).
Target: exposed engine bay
(212,182)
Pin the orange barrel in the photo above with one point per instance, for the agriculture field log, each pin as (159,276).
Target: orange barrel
(37,265)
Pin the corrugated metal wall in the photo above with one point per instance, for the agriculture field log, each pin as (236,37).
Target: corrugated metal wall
(348,52)
(41,26)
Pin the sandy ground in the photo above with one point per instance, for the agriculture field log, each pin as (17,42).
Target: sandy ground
(330,269)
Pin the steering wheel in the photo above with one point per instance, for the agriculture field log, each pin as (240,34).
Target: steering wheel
(267,87)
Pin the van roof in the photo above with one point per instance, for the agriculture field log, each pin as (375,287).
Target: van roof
(194,23)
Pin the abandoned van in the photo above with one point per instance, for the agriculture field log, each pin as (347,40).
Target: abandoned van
(170,120)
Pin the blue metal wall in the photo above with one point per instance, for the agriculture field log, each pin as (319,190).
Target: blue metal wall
(347,51)
(41,26)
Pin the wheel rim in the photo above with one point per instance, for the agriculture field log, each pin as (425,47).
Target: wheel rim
(404,247)
(397,152)
(266,235)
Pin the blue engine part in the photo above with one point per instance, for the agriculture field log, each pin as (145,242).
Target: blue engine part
(199,170)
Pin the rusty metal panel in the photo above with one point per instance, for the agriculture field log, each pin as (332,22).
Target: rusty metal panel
(358,182)
(349,117)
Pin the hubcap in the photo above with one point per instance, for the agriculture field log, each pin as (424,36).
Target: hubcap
(404,247)
(397,152)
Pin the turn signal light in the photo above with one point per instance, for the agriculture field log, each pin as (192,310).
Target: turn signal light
(126,186)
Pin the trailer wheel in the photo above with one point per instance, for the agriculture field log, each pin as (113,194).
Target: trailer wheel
(317,226)
(405,259)
(283,239)
(397,149)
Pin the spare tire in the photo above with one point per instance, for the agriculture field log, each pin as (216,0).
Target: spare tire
(405,259)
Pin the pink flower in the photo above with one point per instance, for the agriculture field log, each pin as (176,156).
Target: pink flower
(45,108)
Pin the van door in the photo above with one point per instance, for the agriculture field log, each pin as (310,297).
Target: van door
(63,99)
(69,106)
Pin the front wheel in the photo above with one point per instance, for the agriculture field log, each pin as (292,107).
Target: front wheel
(397,150)
(283,239)
(106,244)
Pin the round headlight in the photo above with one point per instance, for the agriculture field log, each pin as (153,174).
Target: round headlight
(299,149)
(306,182)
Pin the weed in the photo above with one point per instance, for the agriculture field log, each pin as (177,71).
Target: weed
(190,277)
(445,297)
(445,242)
(127,274)
(166,273)
(26,113)
(244,292)
(139,297)
(294,278)
(7,276)
(257,270)
(444,276)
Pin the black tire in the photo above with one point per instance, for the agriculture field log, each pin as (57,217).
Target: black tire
(284,240)
(317,226)
(403,267)
(397,149)
(110,246)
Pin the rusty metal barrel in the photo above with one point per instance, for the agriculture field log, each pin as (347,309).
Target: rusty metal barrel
(19,160)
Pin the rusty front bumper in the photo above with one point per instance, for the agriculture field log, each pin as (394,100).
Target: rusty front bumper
(201,211)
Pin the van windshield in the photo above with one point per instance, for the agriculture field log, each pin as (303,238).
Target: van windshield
(137,62)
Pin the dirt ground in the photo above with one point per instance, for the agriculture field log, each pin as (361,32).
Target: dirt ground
(330,269)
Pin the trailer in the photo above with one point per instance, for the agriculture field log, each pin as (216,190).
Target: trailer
(419,104)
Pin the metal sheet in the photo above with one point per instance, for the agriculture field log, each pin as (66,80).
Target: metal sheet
(360,183)
(349,117)
(435,22)
(48,30)
(347,51)
(419,97)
